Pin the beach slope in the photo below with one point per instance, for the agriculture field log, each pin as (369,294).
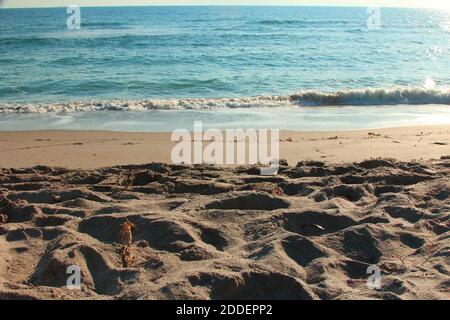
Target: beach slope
(314,231)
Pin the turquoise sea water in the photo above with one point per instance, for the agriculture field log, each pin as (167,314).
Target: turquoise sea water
(222,59)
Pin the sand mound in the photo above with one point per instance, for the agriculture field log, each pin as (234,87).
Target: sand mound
(204,232)
(310,223)
(249,201)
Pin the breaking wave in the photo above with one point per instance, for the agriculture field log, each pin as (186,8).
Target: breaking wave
(360,97)
(367,97)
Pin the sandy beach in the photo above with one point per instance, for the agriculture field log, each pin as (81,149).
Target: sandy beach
(94,149)
(209,232)
(244,151)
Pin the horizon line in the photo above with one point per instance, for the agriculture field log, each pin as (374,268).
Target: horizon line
(228,5)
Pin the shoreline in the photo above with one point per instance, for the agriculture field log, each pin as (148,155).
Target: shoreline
(96,149)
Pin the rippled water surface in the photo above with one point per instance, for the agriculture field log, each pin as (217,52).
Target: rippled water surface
(221,52)
(146,59)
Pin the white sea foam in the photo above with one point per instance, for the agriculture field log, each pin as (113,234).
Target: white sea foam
(149,104)
(367,97)
(362,97)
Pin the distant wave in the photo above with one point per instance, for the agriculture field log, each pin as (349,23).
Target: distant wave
(30,40)
(87,39)
(356,97)
(278,22)
(102,24)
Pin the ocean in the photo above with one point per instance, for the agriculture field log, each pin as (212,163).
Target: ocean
(161,68)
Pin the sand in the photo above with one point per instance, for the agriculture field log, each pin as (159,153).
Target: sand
(209,232)
(94,149)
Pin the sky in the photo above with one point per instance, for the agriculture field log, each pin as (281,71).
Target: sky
(381,3)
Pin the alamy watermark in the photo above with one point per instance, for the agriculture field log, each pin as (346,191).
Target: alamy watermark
(231,147)
(374,20)
(73,21)
(374,280)
(74,280)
